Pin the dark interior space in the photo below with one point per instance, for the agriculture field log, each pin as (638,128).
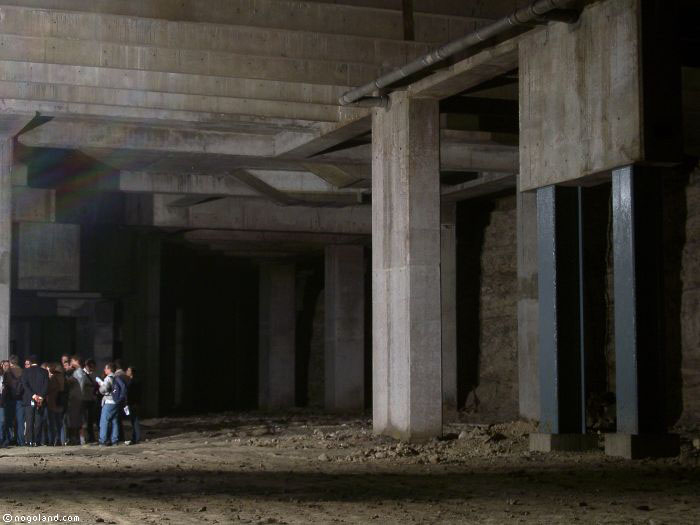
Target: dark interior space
(209,324)
(472,218)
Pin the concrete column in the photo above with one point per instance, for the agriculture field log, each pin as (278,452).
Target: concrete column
(277,336)
(528,375)
(5,242)
(150,328)
(407,325)
(448,291)
(344,328)
(141,339)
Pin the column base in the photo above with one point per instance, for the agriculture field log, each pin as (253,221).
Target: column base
(636,446)
(562,442)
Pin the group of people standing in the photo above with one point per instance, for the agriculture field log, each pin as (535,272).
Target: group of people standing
(62,403)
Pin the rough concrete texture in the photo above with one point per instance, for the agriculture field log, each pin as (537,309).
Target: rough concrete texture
(497,392)
(690,301)
(277,336)
(528,306)
(448,305)
(344,328)
(406,321)
(5,243)
(579,89)
(292,15)
(48,256)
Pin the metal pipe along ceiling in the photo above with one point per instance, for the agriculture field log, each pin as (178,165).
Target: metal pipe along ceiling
(519,17)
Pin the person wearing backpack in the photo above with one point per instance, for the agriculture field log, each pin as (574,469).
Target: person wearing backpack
(109,418)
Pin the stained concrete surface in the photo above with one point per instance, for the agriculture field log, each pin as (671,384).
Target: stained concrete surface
(301,467)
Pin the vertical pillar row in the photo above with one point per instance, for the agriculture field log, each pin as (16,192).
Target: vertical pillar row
(277,317)
(344,328)
(406,323)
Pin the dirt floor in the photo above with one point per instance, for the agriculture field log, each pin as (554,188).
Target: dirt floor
(305,468)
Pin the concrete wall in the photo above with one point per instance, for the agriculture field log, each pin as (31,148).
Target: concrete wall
(48,256)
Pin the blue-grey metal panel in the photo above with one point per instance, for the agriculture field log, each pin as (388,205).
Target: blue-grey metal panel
(561,403)
(637,197)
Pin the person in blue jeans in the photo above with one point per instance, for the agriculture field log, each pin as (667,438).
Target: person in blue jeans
(109,418)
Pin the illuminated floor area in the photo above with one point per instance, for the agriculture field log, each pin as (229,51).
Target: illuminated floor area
(305,468)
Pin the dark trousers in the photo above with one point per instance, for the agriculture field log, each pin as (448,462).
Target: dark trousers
(55,428)
(89,409)
(8,428)
(19,418)
(35,421)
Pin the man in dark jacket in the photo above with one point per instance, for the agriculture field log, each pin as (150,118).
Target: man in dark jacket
(35,381)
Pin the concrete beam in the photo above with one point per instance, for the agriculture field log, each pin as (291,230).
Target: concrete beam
(470,72)
(321,239)
(250,214)
(342,176)
(87,134)
(62,100)
(609,116)
(284,14)
(176,183)
(484,184)
(193,37)
(103,53)
(328,136)
(466,155)
(299,182)
(183,84)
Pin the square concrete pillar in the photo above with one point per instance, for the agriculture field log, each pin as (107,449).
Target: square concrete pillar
(407,324)
(5,242)
(276,341)
(149,281)
(345,328)
(448,291)
(528,307)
